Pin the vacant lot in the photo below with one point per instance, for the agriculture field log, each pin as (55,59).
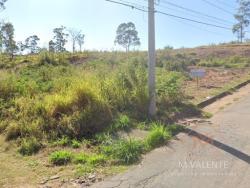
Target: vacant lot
(68,118)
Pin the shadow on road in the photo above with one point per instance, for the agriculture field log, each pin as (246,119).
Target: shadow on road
(226,148)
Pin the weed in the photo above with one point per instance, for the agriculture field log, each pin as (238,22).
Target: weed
(125,151)
(158,136)
(206,115)
(80,158)
(96,160)
(123,123)
(64,141)
(29,146)
(75,144)
(60,157)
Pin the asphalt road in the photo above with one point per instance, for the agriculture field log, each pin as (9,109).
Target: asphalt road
(210,154)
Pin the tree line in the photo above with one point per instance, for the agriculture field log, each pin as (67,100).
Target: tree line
(30,44)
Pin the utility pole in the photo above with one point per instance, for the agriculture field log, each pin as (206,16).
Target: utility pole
(151,58)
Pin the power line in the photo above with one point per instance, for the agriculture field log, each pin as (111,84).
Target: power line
(226,4)
(135,4)
(194,11)
(127,5)
(215,19)
(170,15)
(199,28)
(218,7)
(195,21)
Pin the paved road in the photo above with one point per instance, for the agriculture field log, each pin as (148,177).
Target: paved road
(210,154)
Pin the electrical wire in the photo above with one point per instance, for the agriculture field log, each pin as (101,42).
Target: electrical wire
(169,15)
(218,7)
(194,11)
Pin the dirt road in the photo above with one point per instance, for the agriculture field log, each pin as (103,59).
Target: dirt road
(209,154)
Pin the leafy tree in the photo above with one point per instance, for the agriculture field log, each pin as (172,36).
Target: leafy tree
(80,40)
(31,43)
(9,44)
(127,36)
(52,46)
(20,46)
(243,19)
(60,39)
(2,2)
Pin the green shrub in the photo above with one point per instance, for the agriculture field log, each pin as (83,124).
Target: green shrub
(64,141)
(96,159)
(29,146)
(125,151)
(75,144)
(46,57)
(123,123)
(169,88)
(158,136)
(60,157)
(126,89)
(80,158)
(80,112)
(7,86)
(103,138)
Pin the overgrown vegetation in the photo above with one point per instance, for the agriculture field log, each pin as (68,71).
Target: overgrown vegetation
(50,101)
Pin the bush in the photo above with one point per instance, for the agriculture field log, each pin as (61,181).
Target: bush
(169,88)
(96,159)
(126,89)
(125,151)
(103,138)
(158,136)
(60,157)
(123,122)
(46,57)
(7,86)
(75,144)
(80,158)
(64,141)
(80,112)
(29,146)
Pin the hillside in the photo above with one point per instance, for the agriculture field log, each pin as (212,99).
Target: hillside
(66,114)
(219,51)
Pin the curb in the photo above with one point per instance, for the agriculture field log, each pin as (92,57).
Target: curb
(221,95)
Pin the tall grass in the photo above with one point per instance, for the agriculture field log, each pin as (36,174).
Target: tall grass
(50,99)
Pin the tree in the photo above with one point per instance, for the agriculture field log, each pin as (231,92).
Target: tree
(74,36)
(60,39)
(243,19)
(20,46)
(52,46)
(80,40)
(2,2)
(127,36)
(9,44)
(31,43)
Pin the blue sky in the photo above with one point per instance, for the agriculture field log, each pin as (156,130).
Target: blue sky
(99,20)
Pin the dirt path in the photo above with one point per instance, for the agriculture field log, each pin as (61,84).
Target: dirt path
(210,154)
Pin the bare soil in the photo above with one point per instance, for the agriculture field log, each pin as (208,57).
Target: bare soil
(216,80)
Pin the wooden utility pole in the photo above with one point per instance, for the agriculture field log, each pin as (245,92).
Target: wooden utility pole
(151,58)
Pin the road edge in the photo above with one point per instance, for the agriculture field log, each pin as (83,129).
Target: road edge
(222,95)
